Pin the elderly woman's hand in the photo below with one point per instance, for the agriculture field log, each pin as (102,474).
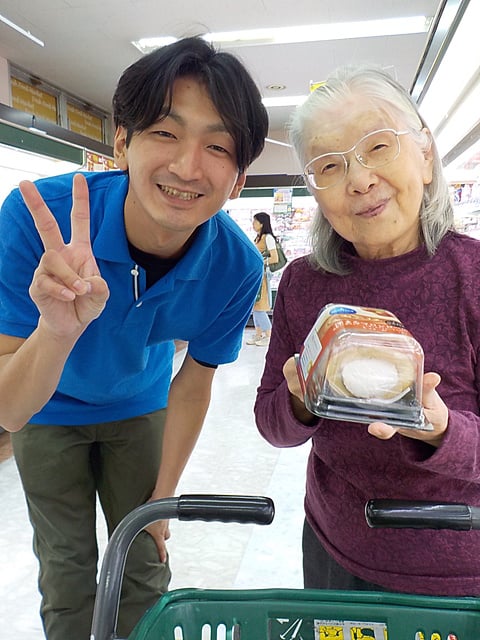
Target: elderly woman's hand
(436,413)
(299,409)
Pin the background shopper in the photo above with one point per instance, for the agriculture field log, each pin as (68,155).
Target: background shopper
(383,237)
(265,243)
(144,257)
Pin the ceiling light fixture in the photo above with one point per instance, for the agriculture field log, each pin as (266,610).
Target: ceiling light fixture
(276,87)
(450,113)
(307,33)
(283,101)
(25,33)
(147,45)
(282,144)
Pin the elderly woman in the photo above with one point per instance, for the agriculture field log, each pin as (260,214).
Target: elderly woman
(383,238)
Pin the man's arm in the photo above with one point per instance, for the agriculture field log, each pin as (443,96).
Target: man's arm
(188,403)
(29,374)
(69,293)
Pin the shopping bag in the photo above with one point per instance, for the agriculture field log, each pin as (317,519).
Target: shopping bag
(282,258)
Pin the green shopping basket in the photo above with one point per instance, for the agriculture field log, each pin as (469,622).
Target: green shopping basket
(296,614)
(284,614)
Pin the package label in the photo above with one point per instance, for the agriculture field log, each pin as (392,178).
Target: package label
(313,629)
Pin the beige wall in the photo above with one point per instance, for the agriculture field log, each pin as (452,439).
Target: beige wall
(275,159)
(5,95)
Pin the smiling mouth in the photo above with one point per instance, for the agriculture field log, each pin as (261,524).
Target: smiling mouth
(175,193)
(372,211)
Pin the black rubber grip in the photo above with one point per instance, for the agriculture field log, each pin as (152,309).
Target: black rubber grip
(244,509)
(224,508)
(411,514)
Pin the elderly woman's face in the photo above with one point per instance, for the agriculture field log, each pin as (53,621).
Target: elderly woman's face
(375,209)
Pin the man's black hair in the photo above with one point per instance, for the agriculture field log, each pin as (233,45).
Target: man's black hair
(144,93)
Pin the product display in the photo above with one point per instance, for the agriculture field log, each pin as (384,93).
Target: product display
(362,365)
(292,227)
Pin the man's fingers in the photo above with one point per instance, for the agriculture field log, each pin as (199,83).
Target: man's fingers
(80,217)
(45,223)
(55,277)
(160,532)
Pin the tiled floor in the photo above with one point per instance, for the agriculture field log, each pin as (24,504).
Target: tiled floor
(230,458)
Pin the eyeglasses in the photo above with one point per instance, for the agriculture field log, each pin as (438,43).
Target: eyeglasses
(374,150)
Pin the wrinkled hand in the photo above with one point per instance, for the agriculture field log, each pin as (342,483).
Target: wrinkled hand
(299,409)
(436,413)
(67,287)
(291,376)
(160,532)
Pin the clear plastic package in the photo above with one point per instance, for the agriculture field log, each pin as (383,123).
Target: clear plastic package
(362,365)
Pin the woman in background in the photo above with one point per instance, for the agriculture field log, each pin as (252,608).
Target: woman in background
(265,243)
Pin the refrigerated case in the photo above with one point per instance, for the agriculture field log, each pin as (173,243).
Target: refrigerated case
(291,226)
(26,154)
(17,165)
(29,154)
(463,176)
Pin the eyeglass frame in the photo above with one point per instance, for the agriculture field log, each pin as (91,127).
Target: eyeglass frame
(358,158)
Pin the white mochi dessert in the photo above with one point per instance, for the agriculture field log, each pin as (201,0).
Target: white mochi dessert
(370,373)
(370,377)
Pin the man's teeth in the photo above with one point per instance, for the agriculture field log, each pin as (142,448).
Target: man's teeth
(183,195)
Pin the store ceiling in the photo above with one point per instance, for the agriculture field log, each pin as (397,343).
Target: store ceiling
(88,42)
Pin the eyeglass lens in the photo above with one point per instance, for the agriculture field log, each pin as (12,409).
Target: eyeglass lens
(374,150)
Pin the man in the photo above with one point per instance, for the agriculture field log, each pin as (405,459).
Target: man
(99,274)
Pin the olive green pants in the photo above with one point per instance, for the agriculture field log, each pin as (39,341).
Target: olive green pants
(63,469)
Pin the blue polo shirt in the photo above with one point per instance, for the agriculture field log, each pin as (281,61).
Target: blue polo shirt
(122,364)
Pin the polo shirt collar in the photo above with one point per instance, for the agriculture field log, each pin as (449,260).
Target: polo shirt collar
(111,243)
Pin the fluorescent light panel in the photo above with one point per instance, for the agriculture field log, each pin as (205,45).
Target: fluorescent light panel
(441,107)
(306,33)
(28,162)
(24,32)
(284,101)
(279,142)
(147,45)
(458,67)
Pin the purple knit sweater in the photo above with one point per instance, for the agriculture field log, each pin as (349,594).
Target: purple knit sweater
(438,300)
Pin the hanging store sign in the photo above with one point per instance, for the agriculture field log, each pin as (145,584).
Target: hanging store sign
(84,122)
(282,200)
(30,99)
(97,162)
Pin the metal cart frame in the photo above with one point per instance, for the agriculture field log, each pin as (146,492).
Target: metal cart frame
(285,614)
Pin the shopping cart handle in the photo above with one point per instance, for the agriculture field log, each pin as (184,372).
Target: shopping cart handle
(413,514)
(243,509)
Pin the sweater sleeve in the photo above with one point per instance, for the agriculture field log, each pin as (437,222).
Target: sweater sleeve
(459,454)
(273,410)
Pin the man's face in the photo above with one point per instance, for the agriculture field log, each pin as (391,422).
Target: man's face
(182,170)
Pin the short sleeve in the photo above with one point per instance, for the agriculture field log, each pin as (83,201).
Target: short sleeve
(270,242)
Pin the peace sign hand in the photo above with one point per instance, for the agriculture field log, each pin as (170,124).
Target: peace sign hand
(67,286)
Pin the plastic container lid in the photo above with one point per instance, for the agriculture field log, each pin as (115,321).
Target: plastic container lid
(362,365)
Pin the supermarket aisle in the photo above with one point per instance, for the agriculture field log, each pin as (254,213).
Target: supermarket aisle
(230,458)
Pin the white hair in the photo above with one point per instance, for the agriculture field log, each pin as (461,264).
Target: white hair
(436,213)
